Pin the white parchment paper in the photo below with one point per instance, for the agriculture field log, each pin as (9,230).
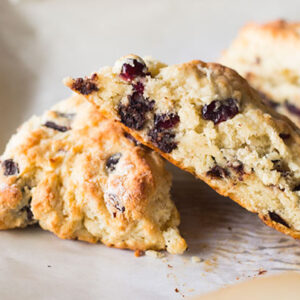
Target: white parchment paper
(43,41)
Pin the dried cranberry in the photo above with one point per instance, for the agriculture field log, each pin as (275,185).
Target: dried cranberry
(133,115)
(10,167)
(57,127)
(292,108)
(276,218)
(132,70)
(114,201)
(165,121)
(113,161)
(268,101)
(84,86)
(217,172)
(131,138)
(138,87)
(163,140)
(220,110)
(284,136)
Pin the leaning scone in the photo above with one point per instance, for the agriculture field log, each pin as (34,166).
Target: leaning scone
(81,176)
(206,119)
(268,56)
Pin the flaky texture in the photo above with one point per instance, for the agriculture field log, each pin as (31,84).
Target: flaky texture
(268,56)
(80,176)
(207,120)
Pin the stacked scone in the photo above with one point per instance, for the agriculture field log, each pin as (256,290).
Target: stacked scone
(85,169)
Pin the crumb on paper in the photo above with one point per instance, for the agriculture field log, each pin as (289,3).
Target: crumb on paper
(170,266)
(196,259)
(155,254)
(176,290)
(139,253)
(261,271)
(49,266)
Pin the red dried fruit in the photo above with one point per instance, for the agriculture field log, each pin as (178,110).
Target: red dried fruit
(292,108)
(138,87)
(276,218)
(163,140)
(84,86)
(217,172)
(112,161)
(55,126)
(133,115)
(10,167)
(220,110)
(133,69)
(165,121)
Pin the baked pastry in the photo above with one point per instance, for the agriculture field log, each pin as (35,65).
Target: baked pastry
(206,119)
(268,57)
(80,176)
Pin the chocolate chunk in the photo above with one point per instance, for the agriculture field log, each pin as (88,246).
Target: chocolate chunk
(133,115)
(112,161)
(220,110)
(84,86)
(292,108)
(163,140)
(54,126)
(276,218)
(133,69)
(10,167)
(296,188)
(217,172)
(284,136)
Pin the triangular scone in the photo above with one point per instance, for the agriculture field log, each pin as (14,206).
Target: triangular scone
(82,177)
(206,119)
(268,56)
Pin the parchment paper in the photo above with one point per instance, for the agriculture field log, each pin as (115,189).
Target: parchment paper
(43,41)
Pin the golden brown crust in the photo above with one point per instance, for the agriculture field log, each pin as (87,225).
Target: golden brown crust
(81,178)
(258,134)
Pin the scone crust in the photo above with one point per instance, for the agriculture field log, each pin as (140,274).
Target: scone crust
(73,190)
(231,83)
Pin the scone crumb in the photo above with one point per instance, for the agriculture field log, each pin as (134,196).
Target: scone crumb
(196,259)
(155,254)
(138,253)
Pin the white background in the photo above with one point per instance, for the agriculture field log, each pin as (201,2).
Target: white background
(43,41)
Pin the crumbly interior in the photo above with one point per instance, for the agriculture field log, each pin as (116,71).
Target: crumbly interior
(252,157)
(78,175)
(268,57)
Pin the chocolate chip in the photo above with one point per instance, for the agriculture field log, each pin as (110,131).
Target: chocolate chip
(284,136)
(217,172)
(10,167)
(292,108)
(133,115)
(220,110)
(276,218)
(84,86)
(112,161)
(163,140)
(57,127)
(28,212)
(133,69)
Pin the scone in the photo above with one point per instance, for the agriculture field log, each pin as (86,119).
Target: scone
(268,56)
(81,176)
(206,119)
